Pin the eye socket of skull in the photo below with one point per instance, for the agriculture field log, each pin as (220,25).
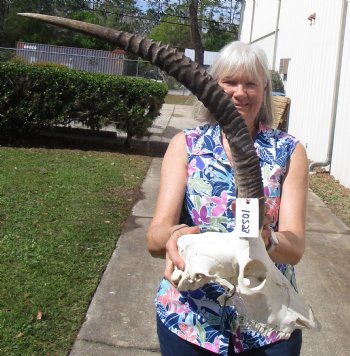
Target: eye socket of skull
(254,274)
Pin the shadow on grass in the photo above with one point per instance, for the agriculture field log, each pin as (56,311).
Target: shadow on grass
(85,140)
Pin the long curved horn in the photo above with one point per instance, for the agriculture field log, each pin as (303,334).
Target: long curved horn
(200,83)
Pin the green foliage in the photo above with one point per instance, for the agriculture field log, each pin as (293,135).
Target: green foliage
(277,83)
(173,25)
(42,64)
(7,55)
(17,60)
(35,97)
(61,214)
(217,36)
(17,28)
(174,28)
(14,28)
(75,39)
(172,32)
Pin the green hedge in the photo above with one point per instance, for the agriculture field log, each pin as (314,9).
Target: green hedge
(36,97)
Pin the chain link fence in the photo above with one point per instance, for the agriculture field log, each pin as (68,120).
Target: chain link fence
(94,61)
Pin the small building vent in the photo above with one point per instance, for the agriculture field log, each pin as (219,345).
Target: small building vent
(284,62)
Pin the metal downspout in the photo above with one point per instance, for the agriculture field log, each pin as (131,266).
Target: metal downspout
(243,3)
(252,23)
(336,90)
(276,35)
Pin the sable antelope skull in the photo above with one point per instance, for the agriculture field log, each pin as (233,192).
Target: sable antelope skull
(261,293)
(270,303)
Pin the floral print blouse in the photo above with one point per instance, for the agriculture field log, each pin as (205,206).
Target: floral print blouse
(196,316)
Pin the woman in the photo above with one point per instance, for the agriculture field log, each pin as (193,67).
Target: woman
(197,194)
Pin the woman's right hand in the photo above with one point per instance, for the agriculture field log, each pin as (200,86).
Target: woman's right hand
(173,258)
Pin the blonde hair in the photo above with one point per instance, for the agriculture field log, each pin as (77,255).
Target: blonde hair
(238,56)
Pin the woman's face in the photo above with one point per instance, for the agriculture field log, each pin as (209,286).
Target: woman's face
(247,94)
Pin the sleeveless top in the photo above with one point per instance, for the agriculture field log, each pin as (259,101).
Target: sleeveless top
(197,316)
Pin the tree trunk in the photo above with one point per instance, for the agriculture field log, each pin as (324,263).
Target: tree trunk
(4,7)
(195,32)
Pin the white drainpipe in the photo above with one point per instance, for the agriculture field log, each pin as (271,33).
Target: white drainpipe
(243,3)
(276,35)
(252,23)
(342,26)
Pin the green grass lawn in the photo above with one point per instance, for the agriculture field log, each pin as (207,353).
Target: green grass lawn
(61,213)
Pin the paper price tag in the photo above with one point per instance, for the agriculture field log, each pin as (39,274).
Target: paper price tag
(247,217)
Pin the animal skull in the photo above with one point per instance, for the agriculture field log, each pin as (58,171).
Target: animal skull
(261,294)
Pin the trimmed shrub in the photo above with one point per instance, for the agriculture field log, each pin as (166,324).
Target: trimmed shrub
(37,97)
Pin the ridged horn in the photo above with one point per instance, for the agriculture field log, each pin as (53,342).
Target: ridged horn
(247,168)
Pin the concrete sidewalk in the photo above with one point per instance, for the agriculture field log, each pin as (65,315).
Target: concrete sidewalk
(121,316)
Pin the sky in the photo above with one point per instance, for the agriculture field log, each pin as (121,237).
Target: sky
(227,5)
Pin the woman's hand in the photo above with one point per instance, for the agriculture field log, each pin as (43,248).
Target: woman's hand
(266,229)
(173,258)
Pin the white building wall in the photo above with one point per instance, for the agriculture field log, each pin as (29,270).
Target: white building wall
(263,29)
(312,49)
(311,75)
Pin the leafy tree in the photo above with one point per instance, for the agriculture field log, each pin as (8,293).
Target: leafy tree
(182,23)
(217,37)
(4,9)
(13,28)
(75,39)
(114,13)
(145,23)
(185,12)
(196,32)
(21,29)
(171,32)
(54,7)
(212,23)
(277,83)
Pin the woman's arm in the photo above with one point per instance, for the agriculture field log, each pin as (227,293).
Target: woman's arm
(292,213)
(170,198)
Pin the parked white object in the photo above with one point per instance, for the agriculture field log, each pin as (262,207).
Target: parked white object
(261,293)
